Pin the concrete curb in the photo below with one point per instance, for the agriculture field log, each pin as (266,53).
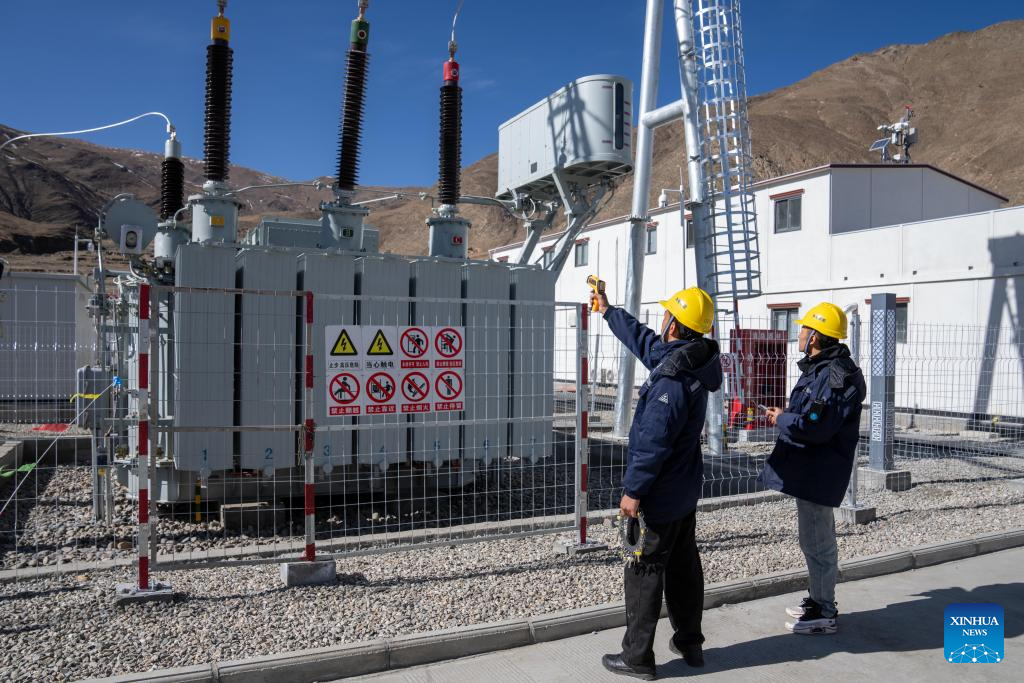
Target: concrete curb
(308,666)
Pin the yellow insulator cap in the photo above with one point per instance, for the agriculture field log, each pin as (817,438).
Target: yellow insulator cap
(220,29)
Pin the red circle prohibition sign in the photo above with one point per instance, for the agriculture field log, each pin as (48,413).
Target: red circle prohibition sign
(448,342)
(415,342)
(380,383)
(448,385)
(344,388)
(415,386)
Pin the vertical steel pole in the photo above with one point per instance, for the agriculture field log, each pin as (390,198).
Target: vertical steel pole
(154,412)
(638,217)
(582,417)
(883,380)
(143,437)
(851,489)
(309,437)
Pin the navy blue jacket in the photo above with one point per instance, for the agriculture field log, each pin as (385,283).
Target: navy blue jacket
(664,467)
(819,430)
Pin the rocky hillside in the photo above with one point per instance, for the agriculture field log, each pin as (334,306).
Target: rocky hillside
(963,87)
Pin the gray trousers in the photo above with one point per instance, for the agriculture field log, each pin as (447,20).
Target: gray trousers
(817,528)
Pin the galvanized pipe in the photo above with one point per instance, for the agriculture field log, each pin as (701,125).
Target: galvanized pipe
(638,216)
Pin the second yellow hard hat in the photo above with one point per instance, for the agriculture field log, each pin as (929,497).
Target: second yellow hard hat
(826,318)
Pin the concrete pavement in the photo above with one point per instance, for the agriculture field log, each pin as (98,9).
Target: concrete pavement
(891,628)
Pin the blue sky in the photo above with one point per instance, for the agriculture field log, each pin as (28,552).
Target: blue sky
(80,64)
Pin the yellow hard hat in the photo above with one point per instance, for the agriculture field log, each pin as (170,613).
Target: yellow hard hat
(692,307)
(826,318)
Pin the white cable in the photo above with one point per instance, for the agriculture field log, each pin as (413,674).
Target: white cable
(456,18)
(170,128)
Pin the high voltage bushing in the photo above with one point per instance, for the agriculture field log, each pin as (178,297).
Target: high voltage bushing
(217,130)
(450,162)
(172,187)
(352,105)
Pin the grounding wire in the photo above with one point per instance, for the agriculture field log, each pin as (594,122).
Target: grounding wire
(170,128)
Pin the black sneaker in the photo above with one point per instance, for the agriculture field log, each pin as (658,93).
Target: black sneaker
(812,622)
(798,611)
(617,665)
(692,654)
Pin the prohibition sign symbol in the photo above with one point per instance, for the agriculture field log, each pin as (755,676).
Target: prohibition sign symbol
(448,342)
(344,388)
(448,385)
(380,387)
(415,386)
(414,342)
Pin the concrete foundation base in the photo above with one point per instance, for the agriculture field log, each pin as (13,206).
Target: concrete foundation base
(238,516)
(891,480)
(158,591)
(315,573)
(570,547)
(861,514)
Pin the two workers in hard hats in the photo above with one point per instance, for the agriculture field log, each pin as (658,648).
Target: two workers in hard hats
(812,461)
(664,475)
(813,456)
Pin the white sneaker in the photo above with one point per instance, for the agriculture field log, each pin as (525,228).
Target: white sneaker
(798,611)
(813,623)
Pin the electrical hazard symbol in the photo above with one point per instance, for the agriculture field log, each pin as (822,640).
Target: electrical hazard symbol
(380,389)
(380,346)
(415,390)
(448,388)
(343,346)
(343,391)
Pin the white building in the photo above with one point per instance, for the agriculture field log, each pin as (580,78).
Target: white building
(839,233)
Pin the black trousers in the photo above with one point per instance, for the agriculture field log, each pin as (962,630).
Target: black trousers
(670,564)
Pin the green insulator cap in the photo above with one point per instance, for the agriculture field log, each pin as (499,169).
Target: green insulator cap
(360,35)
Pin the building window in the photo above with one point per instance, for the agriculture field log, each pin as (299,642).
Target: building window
(690,237)
(652,241)
(785,319)
(581,254)
(787,214)
(503,259)
(901,323)
(547,257)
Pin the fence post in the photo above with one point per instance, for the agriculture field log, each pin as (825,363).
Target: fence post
(310,571)
(582,442)
(881,472)
(147,440)
(851,511)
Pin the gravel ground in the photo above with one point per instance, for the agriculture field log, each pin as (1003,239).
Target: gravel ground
(66,627)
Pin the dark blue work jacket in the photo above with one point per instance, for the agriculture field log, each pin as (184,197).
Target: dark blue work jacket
(819,430)
(664,467)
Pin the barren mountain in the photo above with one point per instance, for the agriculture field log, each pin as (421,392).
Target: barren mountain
(967,90)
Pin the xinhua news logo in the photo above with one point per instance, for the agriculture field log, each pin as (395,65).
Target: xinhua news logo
(974,633)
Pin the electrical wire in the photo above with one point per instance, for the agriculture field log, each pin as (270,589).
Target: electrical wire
(170,128)
(456,18)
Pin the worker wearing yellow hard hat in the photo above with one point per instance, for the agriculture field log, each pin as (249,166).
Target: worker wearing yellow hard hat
(813,456)
(664,473)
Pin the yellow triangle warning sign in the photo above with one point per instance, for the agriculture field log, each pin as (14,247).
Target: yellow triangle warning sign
(380,345)
(344,346)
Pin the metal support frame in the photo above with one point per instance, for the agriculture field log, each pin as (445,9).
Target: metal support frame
(579,212)
(309,437)
(883,380)
(851,511)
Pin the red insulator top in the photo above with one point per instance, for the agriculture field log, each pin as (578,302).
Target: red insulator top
(451,70)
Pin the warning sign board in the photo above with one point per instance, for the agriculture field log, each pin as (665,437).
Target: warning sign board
(383,369)
(343,395)
(414,345)
(448,391)
(415,392)
(448,344)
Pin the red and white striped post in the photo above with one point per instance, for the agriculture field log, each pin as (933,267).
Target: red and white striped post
(309,434)
(143,435)
(582,416)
